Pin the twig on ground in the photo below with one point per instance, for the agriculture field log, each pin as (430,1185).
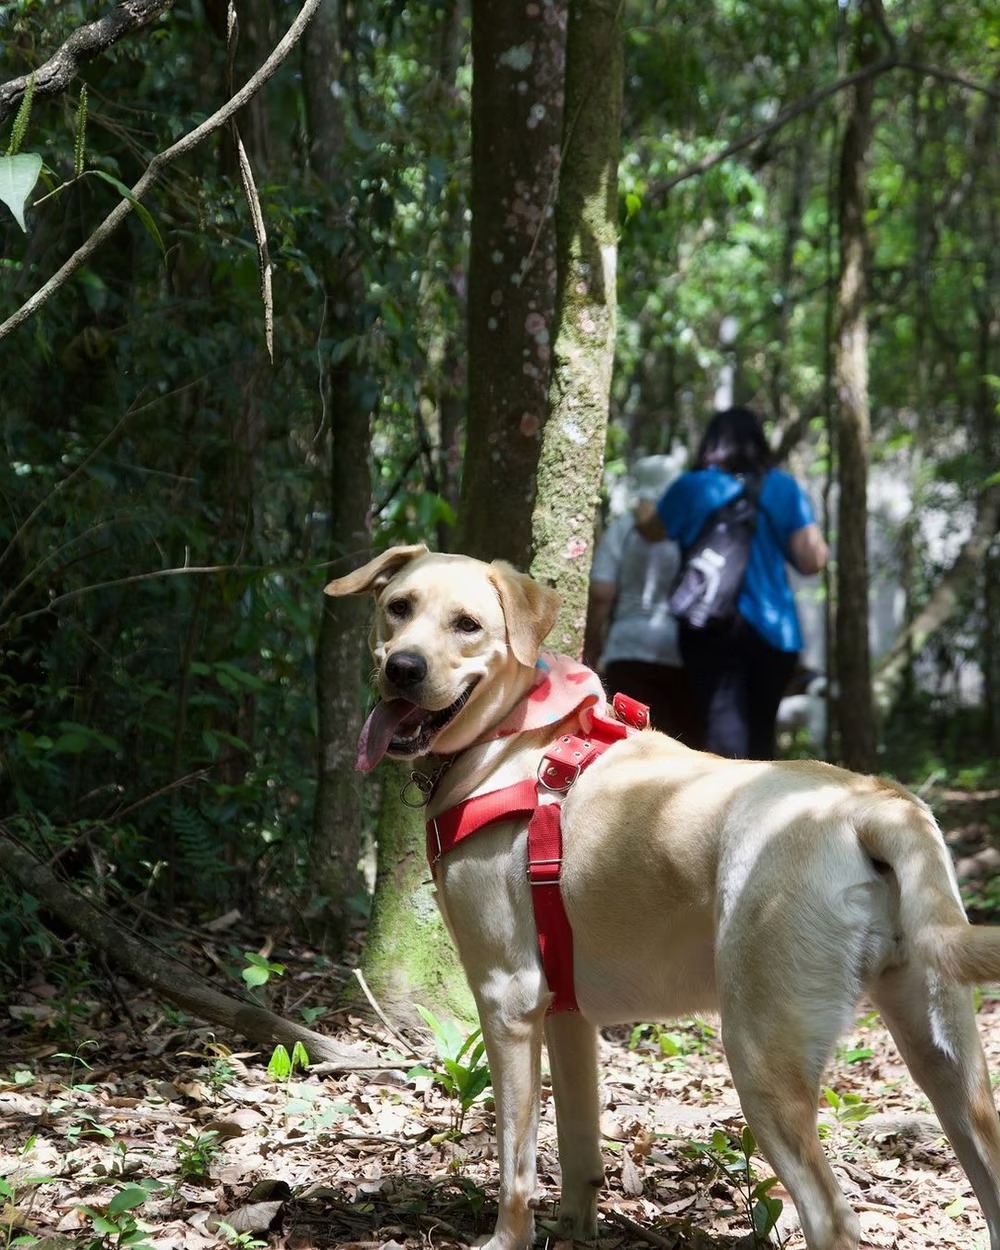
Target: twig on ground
(407,1048)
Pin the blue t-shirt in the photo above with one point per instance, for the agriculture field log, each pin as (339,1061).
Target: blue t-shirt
(766,601)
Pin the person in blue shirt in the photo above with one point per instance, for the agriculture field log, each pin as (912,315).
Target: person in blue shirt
(740,669)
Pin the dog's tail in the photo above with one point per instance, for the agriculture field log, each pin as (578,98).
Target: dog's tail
(899,831)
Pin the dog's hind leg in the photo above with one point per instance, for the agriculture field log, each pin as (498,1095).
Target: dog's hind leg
(572,1044)
(934,1026)
(779,1099)
(779,1026)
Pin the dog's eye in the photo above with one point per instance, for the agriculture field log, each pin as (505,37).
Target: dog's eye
(398,609)
(467,625)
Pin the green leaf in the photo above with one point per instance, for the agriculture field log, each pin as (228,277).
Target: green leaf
(141,211)
(255,976)
(280,1066)
(101,1223)
(18,175)
(765,1215)
(127,1198)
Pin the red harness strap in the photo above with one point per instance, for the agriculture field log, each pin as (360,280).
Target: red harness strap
(561,765)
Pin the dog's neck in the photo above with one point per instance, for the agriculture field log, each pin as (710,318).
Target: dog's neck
(558,693)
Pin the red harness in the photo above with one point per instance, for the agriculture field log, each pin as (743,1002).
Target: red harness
(541,801)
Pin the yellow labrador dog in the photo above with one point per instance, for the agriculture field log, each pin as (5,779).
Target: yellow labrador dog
(776,893)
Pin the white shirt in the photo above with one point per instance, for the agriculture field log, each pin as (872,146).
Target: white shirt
(641,625)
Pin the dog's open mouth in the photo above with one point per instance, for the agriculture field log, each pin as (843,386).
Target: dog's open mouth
(398,727)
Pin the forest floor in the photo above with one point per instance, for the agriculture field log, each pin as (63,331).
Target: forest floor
(123,1123)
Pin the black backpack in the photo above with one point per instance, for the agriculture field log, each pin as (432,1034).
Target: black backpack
(708,584)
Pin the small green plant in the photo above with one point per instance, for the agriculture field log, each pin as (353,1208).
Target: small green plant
(313,1111)
(463,1072)
(13,1215)
(83,1124)
(116,1224)
(240,1241)
(282,1065)
(20,1078)
(259,970)
(195,1154)
(219,1073)
(694,1037)
(847,1108)
(734,1160)
(77,1061)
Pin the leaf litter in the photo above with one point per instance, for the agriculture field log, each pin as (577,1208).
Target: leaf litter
(157,1121)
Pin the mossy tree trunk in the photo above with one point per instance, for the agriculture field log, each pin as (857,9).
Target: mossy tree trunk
(409,957)
(517,106)
(573,441)
(525,398)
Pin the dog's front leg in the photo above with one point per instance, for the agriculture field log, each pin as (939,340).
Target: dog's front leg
(572,1043)
(514,1044)
(484,894)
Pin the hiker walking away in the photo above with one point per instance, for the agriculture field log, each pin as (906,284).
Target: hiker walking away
(740,664)
(631,636)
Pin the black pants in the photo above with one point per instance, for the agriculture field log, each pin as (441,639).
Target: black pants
(738,680)
(668,692)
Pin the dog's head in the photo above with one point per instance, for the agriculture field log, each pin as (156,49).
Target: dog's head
(452,640)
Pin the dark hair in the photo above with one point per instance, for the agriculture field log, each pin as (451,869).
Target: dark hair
(735,443)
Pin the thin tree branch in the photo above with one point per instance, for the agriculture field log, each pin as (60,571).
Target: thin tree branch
(807,104)
(156,167)
(146,965)
(83,45)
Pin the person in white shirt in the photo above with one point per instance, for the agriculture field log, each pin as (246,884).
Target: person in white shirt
(631,637)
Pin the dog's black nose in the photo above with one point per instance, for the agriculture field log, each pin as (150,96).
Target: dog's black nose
(405,669)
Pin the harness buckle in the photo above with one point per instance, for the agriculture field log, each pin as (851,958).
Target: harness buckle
(563,763)
(556,775)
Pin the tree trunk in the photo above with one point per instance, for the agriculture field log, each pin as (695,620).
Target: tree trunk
(335,851)
(409,957)
(518,55)
(144,964)
(569,470)
(857,745)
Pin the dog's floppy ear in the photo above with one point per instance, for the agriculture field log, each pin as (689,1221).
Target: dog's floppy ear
(377,573)
(529,608)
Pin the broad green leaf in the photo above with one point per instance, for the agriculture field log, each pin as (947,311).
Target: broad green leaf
(18,175)
(131,1196)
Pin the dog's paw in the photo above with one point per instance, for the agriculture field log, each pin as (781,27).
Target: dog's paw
(575,1225)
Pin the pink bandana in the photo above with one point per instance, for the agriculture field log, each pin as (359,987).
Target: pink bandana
(562,686)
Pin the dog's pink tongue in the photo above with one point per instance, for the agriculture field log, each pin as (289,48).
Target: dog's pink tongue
(378,730)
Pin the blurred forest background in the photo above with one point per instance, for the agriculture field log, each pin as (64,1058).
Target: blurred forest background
(172,499)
